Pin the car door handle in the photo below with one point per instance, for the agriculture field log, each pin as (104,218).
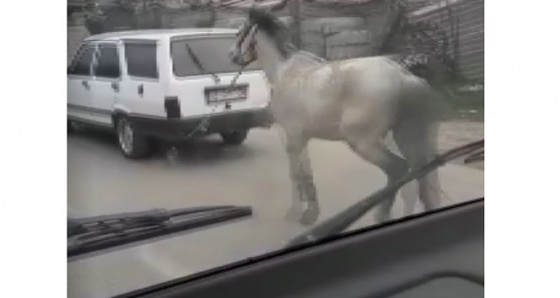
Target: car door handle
(141,90)
(85,84)
(115,86)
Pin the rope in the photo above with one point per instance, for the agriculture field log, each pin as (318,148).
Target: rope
(205,120)
(237,76)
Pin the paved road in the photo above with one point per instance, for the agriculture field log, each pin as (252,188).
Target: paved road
(101,181)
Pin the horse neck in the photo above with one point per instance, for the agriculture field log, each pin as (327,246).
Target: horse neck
(270,57)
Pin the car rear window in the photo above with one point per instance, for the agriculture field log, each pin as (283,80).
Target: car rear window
(212,53)
(141,60)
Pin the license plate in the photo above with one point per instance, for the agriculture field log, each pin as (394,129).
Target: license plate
(226,93)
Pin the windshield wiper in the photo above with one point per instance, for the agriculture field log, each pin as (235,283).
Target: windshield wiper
(199,65)
(345,218)
(474,157)
(87,235)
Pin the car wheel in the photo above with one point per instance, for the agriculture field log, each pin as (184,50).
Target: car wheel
(69,126)
(132,144)
(234,137)
(73,126)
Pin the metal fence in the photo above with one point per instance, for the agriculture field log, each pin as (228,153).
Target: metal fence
(462,21)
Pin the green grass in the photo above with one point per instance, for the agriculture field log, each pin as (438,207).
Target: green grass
(465,104)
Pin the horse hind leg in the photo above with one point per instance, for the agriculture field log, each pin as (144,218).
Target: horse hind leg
(409,191)
(395,167)
(417,141)
(409,195)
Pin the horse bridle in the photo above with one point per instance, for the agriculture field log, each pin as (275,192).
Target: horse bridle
(251,47)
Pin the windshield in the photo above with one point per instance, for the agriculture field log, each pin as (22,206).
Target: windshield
(344,103)
(212,55)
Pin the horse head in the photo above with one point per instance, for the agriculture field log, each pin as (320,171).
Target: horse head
(260,19)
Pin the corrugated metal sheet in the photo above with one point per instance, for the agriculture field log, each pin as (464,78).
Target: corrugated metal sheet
(469,19)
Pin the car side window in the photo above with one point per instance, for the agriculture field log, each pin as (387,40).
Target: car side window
(82,63)
(141,60)
(107,62)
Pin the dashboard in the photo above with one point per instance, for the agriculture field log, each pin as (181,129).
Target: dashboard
(436,254)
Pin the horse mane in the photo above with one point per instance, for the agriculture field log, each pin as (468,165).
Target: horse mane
(275,29)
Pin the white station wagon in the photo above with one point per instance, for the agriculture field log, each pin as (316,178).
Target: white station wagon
(171,85)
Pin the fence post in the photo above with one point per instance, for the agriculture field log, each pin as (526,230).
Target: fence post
(295,13)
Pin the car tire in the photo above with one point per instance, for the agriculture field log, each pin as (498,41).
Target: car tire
(234,137)
(132,144)
(74,127)
(69,127)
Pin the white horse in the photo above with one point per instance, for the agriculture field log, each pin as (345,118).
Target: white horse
(357,101)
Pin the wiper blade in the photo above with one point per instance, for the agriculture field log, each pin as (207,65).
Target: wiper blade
(86,235)
(345,218)
(199,65)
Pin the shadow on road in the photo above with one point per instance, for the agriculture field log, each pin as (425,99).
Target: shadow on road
(201,151)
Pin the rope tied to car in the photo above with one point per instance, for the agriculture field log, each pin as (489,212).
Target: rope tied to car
(203,124)
(237,76)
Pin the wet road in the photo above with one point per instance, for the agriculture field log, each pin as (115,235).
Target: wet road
(101,181)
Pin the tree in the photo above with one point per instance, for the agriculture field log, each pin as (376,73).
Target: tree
(94,17)
(118,14)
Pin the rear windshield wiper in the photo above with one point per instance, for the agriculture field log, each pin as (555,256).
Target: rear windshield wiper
(91,234)
(341,221)
(199,65)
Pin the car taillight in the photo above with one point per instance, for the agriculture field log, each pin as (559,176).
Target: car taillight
(172,107)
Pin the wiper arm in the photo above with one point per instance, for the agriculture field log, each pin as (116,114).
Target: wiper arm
(199,65)
(345,218)
(474,157)
(86,235)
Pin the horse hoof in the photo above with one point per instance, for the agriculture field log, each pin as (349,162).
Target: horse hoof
(309,216)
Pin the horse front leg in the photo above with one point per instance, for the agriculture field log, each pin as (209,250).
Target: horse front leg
(304,195)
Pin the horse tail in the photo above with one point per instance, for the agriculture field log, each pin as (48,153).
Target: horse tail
(415,134)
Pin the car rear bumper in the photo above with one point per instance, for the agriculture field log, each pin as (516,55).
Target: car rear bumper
(185,128)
